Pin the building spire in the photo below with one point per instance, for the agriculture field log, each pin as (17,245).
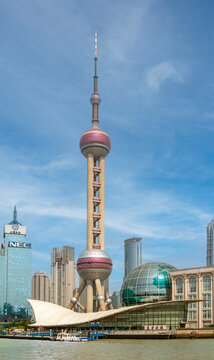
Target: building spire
(14,214)
(95,64)
(95,54)
(95,98)
(14,221)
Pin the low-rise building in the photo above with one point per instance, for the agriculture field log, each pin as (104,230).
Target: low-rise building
(195,284)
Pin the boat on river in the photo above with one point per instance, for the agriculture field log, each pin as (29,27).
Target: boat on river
(63,336)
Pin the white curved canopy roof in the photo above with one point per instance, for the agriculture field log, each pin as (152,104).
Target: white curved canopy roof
(51,315)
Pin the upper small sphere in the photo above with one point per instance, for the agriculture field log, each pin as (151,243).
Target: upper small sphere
(95,142)
(95,99)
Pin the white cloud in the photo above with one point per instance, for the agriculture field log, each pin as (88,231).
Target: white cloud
(52,210)
(54,166)
(157,75)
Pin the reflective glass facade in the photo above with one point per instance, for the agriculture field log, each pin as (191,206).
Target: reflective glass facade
(2,282)
(147,283)
(170,315)
(16,272)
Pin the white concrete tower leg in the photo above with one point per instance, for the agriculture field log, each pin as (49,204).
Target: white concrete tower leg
(77,294)
(81,306)
(108,300)
(90,194)
(100,295)
(102,204)
(89,296)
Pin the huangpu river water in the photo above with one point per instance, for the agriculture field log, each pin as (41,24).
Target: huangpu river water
(108,350)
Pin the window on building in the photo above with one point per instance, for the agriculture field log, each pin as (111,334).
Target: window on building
(179,286)
(192,315)
(192,284)
(207,301)
(206,283)
(193,305)
(206,314)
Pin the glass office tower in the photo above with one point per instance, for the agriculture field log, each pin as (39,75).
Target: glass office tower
(210,248)
(133,254)
(16,271)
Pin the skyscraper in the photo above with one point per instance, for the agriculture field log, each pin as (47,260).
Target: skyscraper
(62,275)
(116,300)
(210,247)
(40,286)
(94,266)
(133,254)
(16,270)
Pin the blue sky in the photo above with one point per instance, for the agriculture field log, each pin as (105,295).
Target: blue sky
(156,81)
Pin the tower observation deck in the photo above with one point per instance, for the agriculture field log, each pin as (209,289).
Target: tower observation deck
(93,265)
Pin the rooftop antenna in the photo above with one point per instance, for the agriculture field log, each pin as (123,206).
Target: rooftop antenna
(15,214)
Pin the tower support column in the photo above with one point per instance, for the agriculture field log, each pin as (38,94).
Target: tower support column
(108,300)
(90,194)
(102,205)
(77,294)
(100,295)
(89,296)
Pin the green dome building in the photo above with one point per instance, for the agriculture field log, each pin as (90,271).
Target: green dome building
(147,283)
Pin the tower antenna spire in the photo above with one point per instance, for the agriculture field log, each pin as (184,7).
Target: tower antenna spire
(95,54)
(95,98)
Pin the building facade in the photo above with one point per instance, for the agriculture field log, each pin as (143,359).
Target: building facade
(40,286)
(16,270)
(62,275)
(210,248)
(132,254)
(195,284)
(115,298)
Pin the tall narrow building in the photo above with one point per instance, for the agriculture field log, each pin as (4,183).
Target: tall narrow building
(94,265)
(132,254)
(210,247)
(16,271)
(62,275)
(40,286)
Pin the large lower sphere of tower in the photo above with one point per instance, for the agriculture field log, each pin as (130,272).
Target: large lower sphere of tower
(94,264)
(95,142)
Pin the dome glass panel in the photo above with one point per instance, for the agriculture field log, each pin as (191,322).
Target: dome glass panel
(147,283)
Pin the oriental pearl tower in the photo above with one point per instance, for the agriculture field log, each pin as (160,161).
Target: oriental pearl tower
(93,265)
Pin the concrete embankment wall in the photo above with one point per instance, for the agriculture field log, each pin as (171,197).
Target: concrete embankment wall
(22,337)
(178,334)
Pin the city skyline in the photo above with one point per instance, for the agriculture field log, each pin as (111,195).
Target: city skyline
(156,81)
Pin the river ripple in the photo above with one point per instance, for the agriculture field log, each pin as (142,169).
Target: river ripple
(108,350)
